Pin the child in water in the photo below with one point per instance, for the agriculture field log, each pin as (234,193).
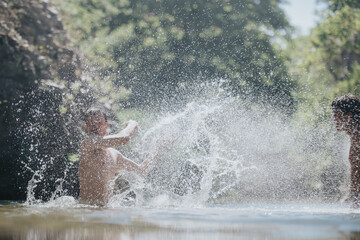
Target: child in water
(346,110)
(100,163)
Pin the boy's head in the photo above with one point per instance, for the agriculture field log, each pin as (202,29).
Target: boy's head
(96,121)
(346,110)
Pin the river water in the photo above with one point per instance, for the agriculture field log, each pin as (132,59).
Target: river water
(64,218)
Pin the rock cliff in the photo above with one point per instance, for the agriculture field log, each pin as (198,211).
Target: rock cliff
(39,108)
(33,47)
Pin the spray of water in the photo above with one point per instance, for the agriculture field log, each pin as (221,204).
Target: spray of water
(223,149)
(229,150)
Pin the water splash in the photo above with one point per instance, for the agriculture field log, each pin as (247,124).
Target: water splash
(242,153)
(229,150)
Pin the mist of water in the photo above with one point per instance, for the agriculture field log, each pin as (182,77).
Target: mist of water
(238,151)
(222,149)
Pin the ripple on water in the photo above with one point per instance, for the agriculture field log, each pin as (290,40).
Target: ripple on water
(65,217)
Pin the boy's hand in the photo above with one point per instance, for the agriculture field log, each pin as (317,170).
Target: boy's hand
(132,123)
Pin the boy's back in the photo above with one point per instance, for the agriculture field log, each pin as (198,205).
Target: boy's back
(97,169)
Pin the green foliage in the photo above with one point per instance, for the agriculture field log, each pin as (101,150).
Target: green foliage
(338,38)
(315,84)
(151,47)
(325,64)
(73,158)
(352,85)
(335,5)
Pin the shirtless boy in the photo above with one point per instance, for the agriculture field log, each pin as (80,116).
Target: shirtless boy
(100,163)
(346,110)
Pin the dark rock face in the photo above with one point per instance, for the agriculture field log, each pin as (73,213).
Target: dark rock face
(31,47)
(39,112)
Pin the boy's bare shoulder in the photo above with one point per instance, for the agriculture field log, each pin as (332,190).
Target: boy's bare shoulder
(90,143)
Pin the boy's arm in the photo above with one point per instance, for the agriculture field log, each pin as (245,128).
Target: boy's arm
(144,168)
(124,163)
(151,161)
(118,139)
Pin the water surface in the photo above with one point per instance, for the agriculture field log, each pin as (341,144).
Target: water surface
(65,219)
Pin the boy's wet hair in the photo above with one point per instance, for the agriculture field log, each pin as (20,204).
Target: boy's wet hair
(348,103)
(94,111)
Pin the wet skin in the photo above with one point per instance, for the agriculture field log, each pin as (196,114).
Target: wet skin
(100,163)
(345,122)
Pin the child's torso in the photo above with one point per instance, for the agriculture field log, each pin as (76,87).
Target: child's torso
(97,170)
